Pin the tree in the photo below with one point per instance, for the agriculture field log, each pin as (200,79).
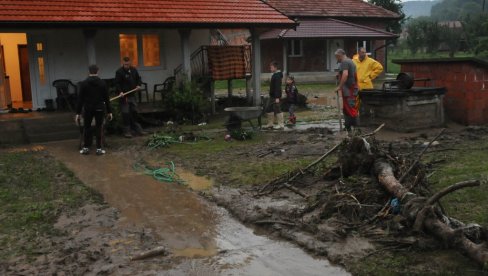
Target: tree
(415,38)
(449,10)
(396,7)
(452,38)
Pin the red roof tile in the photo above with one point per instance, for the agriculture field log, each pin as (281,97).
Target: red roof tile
(330,8)
(232,12)
(327,28)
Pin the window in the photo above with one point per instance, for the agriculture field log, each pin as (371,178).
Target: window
(295,48)
(364,43)
(150,50)
(42,70)
(39,47)
(130,45)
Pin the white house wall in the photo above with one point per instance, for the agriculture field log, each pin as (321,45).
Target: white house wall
(67,58)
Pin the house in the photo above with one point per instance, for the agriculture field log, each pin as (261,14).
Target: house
(325,25)
(44,41)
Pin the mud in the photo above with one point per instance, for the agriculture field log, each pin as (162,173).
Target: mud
(202,239)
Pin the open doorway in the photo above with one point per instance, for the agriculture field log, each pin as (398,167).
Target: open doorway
(16,58)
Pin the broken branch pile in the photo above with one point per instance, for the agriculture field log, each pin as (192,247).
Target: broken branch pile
(352,200)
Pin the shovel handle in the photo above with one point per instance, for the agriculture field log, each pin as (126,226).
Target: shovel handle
(124,94)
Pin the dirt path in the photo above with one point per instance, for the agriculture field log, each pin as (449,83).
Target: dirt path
(202,237)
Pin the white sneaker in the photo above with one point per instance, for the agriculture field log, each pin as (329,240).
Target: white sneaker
(100,152)
(85,151)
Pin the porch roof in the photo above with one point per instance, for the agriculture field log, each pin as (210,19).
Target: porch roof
(327,28)
(204,13)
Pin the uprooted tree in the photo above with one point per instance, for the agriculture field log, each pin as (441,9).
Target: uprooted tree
(403,179)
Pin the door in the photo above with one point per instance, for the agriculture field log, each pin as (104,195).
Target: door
(3,96)
(25,73)
(334,44)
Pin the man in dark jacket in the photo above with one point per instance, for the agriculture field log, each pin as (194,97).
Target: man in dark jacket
(273,110)
(93,100)
(127,78)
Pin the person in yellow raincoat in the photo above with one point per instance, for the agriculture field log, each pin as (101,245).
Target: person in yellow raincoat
(368,69)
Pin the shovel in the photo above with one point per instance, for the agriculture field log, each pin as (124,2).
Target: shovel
(339,106)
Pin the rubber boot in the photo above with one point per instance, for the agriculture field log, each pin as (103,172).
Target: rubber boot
(139,130)
(270,118)
(281,121)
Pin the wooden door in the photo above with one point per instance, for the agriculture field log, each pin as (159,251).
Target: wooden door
(3,96)
(25,73)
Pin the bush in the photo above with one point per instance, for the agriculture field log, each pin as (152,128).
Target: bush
(186,102)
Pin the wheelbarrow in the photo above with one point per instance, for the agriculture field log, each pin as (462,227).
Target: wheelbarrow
(237,115)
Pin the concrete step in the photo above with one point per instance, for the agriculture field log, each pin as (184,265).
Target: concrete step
(53,136)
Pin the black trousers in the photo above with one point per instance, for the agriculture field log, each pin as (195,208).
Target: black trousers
(88,117)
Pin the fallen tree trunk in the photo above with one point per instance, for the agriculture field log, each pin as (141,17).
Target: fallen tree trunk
(421,212)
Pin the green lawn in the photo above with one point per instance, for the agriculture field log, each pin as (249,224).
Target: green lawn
(406,54)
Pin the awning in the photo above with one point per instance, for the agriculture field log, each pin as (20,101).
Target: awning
(327,28)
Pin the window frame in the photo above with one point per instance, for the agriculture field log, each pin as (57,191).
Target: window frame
(291,48)
(140,50)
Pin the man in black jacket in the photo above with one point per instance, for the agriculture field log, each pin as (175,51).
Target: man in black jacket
(93,100)
(273,110)
(127,78)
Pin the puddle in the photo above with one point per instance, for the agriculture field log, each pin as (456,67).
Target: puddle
(27,149)
(333,125)
(195,252)
(195,182)
(204,239)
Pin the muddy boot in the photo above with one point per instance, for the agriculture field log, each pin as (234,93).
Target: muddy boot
(270,118)
(139,130)
(127,133)
(281,121)
(292,120)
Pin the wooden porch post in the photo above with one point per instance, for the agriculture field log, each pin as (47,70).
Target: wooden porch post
(90,46)
(256,67)
(185,51)
(285,57)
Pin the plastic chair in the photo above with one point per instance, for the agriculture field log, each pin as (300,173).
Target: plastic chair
(66,94)
(143,89)
(164,87)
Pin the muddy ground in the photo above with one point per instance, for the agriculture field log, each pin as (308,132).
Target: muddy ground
(202,238)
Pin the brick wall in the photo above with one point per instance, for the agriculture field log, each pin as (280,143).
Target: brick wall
(466,80)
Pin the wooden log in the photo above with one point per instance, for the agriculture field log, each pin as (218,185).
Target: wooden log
(430,221)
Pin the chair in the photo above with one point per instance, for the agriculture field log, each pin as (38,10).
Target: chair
(66,94)
(164,87)
(143,89)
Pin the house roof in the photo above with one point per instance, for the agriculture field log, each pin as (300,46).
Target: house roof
(327,28)
(331,8)
(133,12)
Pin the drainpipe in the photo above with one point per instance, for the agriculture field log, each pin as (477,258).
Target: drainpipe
(386,53)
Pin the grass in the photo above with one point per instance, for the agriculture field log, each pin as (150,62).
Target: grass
(34,190)
(406,54)
(468,205)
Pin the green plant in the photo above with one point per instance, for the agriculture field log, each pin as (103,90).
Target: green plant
(187,102)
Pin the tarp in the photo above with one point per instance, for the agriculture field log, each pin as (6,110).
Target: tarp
(228,62)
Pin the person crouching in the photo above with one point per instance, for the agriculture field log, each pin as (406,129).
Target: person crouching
(291,98)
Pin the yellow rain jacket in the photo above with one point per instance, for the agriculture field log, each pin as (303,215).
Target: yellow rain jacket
(367,70)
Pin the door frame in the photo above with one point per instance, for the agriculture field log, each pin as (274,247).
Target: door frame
(22,75)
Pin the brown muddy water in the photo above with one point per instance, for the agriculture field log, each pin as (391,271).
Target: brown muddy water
(203,238)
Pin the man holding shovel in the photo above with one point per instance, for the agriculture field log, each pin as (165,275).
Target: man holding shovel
(93,100)
(348,87)
(127,79)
